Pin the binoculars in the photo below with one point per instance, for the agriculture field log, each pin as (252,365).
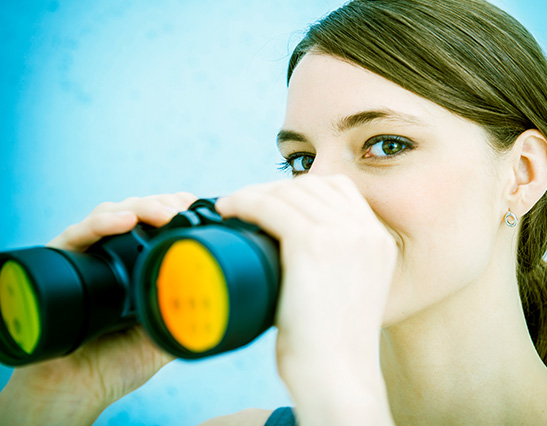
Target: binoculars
(200,286)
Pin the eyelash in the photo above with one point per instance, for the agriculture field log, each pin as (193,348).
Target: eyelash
(288,163)
(408,145)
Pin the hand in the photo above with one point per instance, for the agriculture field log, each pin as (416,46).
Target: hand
(109,367)
(337,260)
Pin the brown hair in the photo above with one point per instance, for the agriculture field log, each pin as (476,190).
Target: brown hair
(473,59)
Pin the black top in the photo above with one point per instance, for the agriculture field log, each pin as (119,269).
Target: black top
(282,417)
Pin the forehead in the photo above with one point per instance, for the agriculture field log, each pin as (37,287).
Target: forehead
(323,87)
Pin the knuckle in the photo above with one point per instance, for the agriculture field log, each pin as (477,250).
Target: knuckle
(103,207)
(70,231)
(150,197)
(92,223)
(186,196)
(156,210)
(155,207)
(157,201)
(151,204)
(171,199)
(182,199)
(131,200)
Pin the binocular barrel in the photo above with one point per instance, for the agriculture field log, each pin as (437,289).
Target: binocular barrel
(200,286)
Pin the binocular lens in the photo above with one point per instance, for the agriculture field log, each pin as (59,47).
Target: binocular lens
(192,296)
(19,311)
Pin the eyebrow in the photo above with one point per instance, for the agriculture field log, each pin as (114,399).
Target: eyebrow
(355,120)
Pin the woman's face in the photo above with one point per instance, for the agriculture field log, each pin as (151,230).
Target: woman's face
(429,175)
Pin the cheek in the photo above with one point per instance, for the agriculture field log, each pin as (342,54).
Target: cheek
(433,202)
(444,221)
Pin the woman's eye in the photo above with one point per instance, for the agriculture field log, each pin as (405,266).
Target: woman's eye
(301,163)
(386,146)
(297,163)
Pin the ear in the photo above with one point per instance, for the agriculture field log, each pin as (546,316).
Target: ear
(529,173)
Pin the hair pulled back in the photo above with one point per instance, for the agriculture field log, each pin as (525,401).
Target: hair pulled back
(473,59)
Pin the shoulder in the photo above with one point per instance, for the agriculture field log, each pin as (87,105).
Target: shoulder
(248,417)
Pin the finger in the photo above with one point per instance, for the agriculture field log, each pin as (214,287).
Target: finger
(342,194)
(274,214)
(323,188)
(173,204)
(157,210)
(317,199)
(82,235)
(179,201)
(314,205)
(330,198)
(150,210)
(116,218)
(356,203)
(101,224)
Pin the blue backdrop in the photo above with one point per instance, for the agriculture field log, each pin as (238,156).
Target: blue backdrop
(105,99)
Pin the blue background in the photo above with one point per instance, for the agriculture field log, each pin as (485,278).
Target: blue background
(102,100)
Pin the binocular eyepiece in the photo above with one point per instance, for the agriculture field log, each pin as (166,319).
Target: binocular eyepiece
(200,285)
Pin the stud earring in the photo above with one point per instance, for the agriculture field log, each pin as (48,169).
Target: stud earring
(511,220)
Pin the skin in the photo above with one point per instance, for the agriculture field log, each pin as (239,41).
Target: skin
(454,344)
(402,261)
(75,389)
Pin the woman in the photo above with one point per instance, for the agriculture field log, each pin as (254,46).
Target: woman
(413,241)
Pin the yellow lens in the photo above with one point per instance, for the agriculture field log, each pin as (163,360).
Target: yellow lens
(19,306)
(192,296)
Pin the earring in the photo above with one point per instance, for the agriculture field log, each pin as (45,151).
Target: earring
(511,220)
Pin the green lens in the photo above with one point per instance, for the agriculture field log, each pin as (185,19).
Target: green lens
(19,306)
